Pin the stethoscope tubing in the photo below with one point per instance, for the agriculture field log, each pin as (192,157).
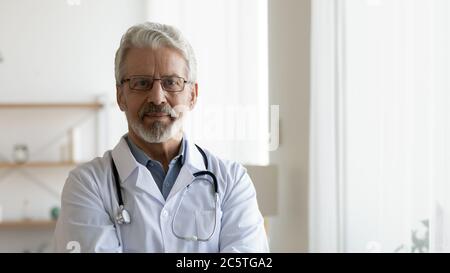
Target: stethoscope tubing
(123,216)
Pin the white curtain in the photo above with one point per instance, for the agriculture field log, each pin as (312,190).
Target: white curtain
(380,124)
(229,38)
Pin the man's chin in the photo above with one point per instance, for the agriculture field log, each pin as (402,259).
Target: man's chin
(157,133)
(152,137)
(157,130)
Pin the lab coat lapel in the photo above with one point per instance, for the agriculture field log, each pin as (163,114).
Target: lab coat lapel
(126,166)
(184,178)
(192,164)
(145,182)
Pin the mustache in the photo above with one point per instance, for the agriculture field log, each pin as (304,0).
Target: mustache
(152,108)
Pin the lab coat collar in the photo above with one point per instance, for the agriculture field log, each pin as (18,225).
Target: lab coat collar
(124,159)
(194,159)
(126,164)
(194,163)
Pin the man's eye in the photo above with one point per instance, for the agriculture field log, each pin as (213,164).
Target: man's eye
(169,82)
(141,83)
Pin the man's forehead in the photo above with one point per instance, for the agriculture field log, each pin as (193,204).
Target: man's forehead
(147,57)
(154,53)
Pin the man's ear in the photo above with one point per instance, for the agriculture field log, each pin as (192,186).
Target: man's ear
(120,98)
(194,95)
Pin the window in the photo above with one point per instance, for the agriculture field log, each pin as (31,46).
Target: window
(379,157)
(229,38)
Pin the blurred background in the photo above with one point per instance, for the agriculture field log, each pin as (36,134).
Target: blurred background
(336,107)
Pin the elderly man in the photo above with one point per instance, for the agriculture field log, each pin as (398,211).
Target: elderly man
(156,191)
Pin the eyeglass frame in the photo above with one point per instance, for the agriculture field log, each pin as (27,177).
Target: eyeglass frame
(153,81)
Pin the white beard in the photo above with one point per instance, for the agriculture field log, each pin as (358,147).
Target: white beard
(158,132)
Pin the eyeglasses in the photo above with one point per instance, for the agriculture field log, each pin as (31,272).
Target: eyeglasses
(145,83)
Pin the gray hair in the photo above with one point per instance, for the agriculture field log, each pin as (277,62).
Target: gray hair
(154,35)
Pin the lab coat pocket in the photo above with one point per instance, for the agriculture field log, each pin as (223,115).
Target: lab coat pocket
(184,224)
(205,223)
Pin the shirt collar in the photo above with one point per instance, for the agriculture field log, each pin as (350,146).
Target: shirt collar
(126,163)
(143,158)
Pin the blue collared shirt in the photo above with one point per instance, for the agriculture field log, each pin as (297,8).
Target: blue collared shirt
(164,181)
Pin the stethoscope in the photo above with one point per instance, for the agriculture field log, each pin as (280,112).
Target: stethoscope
(123,216)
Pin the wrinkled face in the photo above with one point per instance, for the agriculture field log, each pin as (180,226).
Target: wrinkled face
(155,115)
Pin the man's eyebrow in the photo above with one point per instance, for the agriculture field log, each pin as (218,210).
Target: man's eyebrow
(171,75)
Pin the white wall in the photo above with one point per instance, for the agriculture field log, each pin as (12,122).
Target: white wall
(289,23)
(53,51)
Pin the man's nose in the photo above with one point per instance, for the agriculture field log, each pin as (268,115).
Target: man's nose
(156,95)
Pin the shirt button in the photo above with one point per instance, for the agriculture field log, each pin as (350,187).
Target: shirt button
(165,213)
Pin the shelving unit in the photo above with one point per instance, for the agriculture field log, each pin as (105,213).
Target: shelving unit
(68,161)
(94,105)
(37,164)
(89,106)
(27,224)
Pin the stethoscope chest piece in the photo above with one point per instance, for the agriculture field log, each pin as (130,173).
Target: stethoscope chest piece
(123,217)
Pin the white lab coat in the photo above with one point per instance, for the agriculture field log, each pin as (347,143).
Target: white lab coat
(89,206)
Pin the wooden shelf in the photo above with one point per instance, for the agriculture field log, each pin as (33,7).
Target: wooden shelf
(94,105)
(38,164)
(28,224)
